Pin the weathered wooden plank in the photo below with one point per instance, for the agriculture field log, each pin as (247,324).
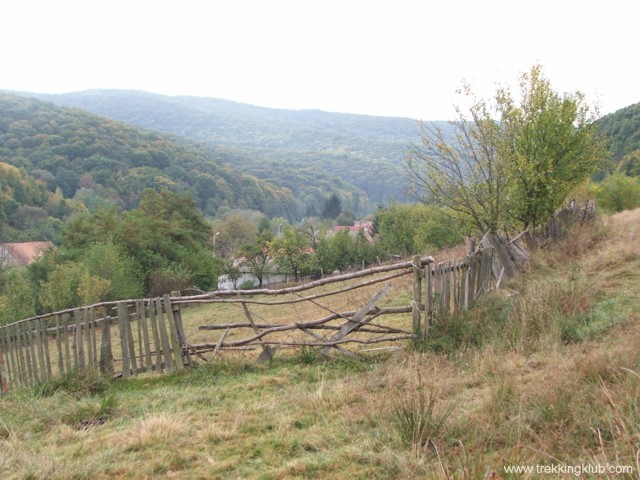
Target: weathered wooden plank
(356,321)
(436,290)
(485,271)
(502,259)
(5,362)
(59,346)
(342,350)
(417,296)
(45,343)
(32,366)
(21,354)
(219,344)
(463,286)
(428,299)
(156,335)
(94,342)
(164,338)
(11,356)
(267,351)
(124,340)
(139,330)
(132,350)
(15,352)
(39,350)
(468,281)
(106,353)
(87,332)
(4,375)
(142,318)
(74,340)
(177,314)
(175,340)
(66,320)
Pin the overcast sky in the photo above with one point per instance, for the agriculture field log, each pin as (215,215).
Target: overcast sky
(393,58)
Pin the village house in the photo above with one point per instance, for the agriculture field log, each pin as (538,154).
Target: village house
(360,225)
(22,254)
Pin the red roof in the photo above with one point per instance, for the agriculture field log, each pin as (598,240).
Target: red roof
(25,253)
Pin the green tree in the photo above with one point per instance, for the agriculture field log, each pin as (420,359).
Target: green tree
(291,252)
(257,255)
(460,168)
(337,252)
(110,262)
(508,161)
(233,273)
(630,164)
(166,235)
(619,192)
(407,229)
(232,232)
(550,145)
(332,207)
(17,299)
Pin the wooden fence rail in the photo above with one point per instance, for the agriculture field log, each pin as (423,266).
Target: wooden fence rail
(131,337)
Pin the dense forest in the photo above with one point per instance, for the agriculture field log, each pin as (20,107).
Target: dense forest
(287,147)
(55,161)
(622,128)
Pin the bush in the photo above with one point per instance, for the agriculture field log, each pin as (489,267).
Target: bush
(247,285)
(619,192)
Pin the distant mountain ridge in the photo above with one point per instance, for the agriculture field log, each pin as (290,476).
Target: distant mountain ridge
(364,151)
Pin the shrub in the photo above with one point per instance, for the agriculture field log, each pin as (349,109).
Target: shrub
(619,192)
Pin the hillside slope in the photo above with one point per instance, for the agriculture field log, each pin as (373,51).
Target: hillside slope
(622,127)
(545,375)
(96,160)
(364,151)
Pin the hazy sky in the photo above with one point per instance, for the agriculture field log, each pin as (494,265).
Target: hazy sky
(395,57)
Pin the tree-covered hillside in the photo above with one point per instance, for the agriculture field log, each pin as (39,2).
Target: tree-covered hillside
(97,161)
(623,130)
(286,145)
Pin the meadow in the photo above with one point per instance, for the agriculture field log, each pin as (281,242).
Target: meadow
(543,373)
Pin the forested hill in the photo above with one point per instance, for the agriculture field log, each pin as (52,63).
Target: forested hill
(365,151)
(622,127)
(97,161)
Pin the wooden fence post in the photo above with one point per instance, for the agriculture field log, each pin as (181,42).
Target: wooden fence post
(156,335)
(182,336)
(4,384)
(142,318)
(166,349)
(173,330)
(428,300)
(417,296)
(106,354)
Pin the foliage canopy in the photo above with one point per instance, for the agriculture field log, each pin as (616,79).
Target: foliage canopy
(510,161)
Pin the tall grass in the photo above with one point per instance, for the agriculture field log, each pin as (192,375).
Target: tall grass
(548,373)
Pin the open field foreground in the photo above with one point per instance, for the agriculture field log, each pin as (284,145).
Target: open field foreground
(543,374)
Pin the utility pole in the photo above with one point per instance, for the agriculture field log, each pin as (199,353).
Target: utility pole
(214,242)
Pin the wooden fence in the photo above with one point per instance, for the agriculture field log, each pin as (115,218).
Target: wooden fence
(139,336)
(132,337)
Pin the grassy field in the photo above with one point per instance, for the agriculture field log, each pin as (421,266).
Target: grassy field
(544,374)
